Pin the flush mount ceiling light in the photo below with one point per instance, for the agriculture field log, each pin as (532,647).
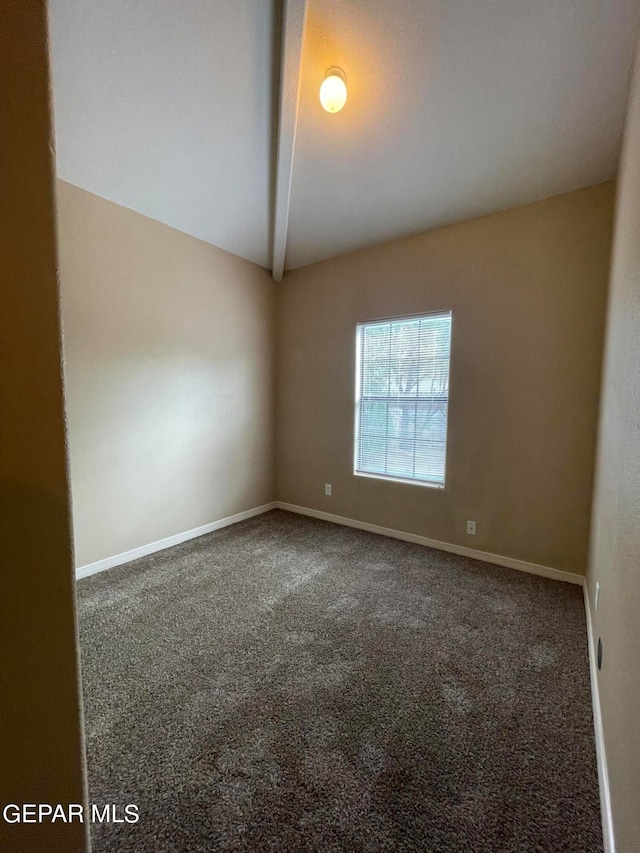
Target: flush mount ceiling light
(333,92)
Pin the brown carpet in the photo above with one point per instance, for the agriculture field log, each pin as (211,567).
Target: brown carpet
(290,685)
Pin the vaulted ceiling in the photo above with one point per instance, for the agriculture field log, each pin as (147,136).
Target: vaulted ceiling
(456,108)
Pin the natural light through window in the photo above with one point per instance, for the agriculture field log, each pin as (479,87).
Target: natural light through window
(402,398)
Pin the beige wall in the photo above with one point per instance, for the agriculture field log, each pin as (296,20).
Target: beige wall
(527,288)
(168,363)
(41,758)
(615,547)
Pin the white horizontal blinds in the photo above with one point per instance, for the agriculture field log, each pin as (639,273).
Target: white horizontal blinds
(403,396)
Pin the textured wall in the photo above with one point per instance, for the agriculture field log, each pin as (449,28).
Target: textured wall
(168,362)
(528,289)
(41,759)
(615,547)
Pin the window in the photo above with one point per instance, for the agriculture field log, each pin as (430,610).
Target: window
(402,398)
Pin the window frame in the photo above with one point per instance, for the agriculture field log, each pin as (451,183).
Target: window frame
(447,312)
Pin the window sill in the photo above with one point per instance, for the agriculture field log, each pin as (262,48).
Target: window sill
(407,481)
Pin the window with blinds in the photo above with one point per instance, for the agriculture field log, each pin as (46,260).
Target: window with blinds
(402,398)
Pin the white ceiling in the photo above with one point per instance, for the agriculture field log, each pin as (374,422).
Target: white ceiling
(167,107)
(456,108)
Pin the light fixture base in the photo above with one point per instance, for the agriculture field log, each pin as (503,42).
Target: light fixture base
(334,71)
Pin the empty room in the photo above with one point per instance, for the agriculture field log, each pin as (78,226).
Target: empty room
(320,426)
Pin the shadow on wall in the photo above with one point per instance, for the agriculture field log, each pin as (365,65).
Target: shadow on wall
(39,747)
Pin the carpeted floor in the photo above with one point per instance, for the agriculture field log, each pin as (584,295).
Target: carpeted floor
(286,684)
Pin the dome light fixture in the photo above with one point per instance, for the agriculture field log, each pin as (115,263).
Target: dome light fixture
(333,91)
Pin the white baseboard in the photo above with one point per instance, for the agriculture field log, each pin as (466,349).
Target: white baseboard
(603,773)
(170,541)
(497,559)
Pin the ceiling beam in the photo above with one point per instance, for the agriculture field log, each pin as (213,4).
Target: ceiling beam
(294,14)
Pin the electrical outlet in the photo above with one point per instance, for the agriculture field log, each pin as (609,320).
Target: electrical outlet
(597,595)
(327,488)
(471,528)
